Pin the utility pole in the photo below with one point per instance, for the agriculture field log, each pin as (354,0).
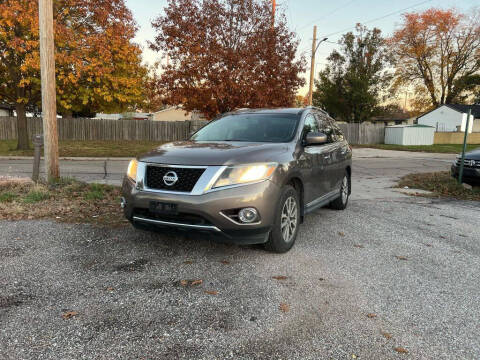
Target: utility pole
(49,104)
(312,66)
(274,5)
(464,148)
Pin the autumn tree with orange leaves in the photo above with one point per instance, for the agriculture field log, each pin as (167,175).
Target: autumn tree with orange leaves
(98,68)
(225,54)
(438,52)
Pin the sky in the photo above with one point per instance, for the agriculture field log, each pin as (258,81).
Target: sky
(333,18)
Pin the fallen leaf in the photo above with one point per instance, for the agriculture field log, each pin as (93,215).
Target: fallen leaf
(401,350)
(386,335)
(188,262)
(371,315)
(284,307)
(279,277)
(401,257)
(354,356)
(358,246)
(225,262)
(69,314)
(211,292)
(190,282)
(341,233)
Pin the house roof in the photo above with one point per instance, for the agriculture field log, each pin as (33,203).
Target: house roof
(169,108)
(6,107)
(464,109)
(461,108)
(411,126)
(396,116)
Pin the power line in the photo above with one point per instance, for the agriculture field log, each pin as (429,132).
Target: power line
(327,15)
(379,18)
(372,20)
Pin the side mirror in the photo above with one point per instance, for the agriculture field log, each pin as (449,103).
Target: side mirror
(315,138)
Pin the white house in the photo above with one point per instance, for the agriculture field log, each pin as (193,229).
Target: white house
(176,113)
(6,110)
(451,118)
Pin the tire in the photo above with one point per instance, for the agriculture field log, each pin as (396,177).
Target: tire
(341,202)
(288,209)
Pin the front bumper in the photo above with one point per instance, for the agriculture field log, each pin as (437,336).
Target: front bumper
(470,175)
(209,208)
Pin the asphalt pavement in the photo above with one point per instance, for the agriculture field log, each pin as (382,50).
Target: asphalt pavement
(380,168)
(391,277)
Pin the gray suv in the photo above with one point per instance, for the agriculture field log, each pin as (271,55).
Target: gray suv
(250,176)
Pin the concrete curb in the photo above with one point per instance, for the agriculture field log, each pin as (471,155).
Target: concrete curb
(70,158)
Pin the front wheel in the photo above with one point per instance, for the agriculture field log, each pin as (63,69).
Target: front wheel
(341,202)
(287,220)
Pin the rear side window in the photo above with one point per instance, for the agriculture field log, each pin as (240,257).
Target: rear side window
(329,128)
(338,132)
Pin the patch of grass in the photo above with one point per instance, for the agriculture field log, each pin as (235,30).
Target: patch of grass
(441,184)
(65,200)
(88,148)
(7,196)
(95,192)
(34,196)
(437,148)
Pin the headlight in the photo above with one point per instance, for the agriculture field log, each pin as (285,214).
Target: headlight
(243,174)
(132,169)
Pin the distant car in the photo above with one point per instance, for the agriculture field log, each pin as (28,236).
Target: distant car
(471,167)
(250,175)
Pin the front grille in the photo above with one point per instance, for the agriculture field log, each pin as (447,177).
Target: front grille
(468,163)
(187,178)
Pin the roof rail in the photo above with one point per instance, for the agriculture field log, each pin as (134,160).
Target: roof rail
(318,109)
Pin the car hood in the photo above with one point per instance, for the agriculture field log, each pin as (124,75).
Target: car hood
(214,153)
(473,155)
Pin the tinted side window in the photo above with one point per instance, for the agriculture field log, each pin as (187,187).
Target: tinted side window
(327,127)
(311,124)
(338,132)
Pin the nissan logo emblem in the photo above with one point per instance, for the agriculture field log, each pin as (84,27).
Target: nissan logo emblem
(170,178)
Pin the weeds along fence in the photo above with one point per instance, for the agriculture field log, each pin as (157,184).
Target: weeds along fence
(147,130)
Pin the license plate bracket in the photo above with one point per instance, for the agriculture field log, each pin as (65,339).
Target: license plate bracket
(159,207)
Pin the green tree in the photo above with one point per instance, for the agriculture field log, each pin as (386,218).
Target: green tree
(351,85)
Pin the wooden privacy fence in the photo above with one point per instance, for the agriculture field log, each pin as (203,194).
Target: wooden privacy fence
(98,129)
(365,133)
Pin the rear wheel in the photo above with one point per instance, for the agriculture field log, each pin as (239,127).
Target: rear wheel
(341,202)
(287,220)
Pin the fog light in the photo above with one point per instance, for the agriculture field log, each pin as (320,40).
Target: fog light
(248,215)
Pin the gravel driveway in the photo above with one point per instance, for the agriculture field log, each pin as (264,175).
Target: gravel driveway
(385,276)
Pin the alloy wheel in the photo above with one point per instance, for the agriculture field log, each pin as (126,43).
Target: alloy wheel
(344,190)
(289,219)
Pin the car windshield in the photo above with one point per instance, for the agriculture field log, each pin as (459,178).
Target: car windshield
(250,128)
